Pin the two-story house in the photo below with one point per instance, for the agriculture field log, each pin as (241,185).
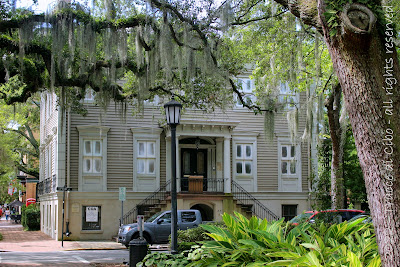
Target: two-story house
(224,161)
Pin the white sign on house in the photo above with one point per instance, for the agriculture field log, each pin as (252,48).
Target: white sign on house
(92,214)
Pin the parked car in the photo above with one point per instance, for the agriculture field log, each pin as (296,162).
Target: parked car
(328,216)
(158,227)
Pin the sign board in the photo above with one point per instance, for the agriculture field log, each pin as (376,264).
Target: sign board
(122,193)
(92,214)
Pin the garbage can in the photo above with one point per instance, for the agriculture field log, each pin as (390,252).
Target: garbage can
(137,251)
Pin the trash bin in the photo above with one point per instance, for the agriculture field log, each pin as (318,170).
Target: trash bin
(137,251)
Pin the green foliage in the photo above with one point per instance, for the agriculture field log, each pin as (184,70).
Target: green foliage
(195,234)
(256,242)
(30,217)
(323,185)
(23,216)
(163,260)
(19,149)
(1,237)
(353,177)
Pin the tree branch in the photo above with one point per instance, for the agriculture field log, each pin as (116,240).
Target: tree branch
(32,139)
(31,171)
(257,19)
(306,10)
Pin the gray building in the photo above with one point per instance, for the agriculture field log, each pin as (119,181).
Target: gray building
(224,164)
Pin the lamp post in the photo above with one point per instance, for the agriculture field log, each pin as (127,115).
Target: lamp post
(173,114)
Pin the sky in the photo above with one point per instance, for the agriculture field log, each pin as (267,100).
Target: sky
(41,6)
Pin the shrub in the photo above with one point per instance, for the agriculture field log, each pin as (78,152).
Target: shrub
(30,217)
(256,242)
(182,246)
(193,236)
(163,260)
(1,236)
(23,217)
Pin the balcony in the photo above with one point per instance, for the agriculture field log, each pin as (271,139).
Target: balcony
(47,186)
(200,185)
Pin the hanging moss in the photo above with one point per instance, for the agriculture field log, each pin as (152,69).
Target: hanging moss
(293,123)
(269,125)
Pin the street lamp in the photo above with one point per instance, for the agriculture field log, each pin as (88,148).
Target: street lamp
(173,114)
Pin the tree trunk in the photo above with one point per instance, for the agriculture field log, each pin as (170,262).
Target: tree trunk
(337,183)
(367,66)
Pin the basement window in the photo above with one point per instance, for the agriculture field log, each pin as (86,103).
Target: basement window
(91,218)
(289,212)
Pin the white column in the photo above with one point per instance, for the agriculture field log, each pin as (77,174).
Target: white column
(219,158)
(227,165)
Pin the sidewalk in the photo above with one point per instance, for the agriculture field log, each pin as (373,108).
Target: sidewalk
(16,239)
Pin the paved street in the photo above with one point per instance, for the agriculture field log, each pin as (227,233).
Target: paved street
(16,239)
(34,248)
(70,258)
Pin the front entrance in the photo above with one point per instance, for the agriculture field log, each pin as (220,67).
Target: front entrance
(194,169)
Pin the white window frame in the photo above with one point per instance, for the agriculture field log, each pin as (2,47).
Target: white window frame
(48,162)
(296,177)
(146,135)
(92,156)
(55,150)
(87,133)
(146,157)
(49,105)
(42,171)
(287,94)
(246,91)
(243,158)
(244,141)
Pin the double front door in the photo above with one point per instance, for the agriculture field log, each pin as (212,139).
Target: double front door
(194,164)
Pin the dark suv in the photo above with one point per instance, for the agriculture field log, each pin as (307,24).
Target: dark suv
(328,216)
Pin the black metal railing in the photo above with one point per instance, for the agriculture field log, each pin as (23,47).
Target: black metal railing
(201,185)
(257,208)
(47,186)
(145,205)
(54,183)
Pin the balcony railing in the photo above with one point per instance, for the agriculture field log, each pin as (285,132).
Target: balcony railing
(257,208)
(54,183)
(198,184)
(40,188)
(151,201)
(47,186)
